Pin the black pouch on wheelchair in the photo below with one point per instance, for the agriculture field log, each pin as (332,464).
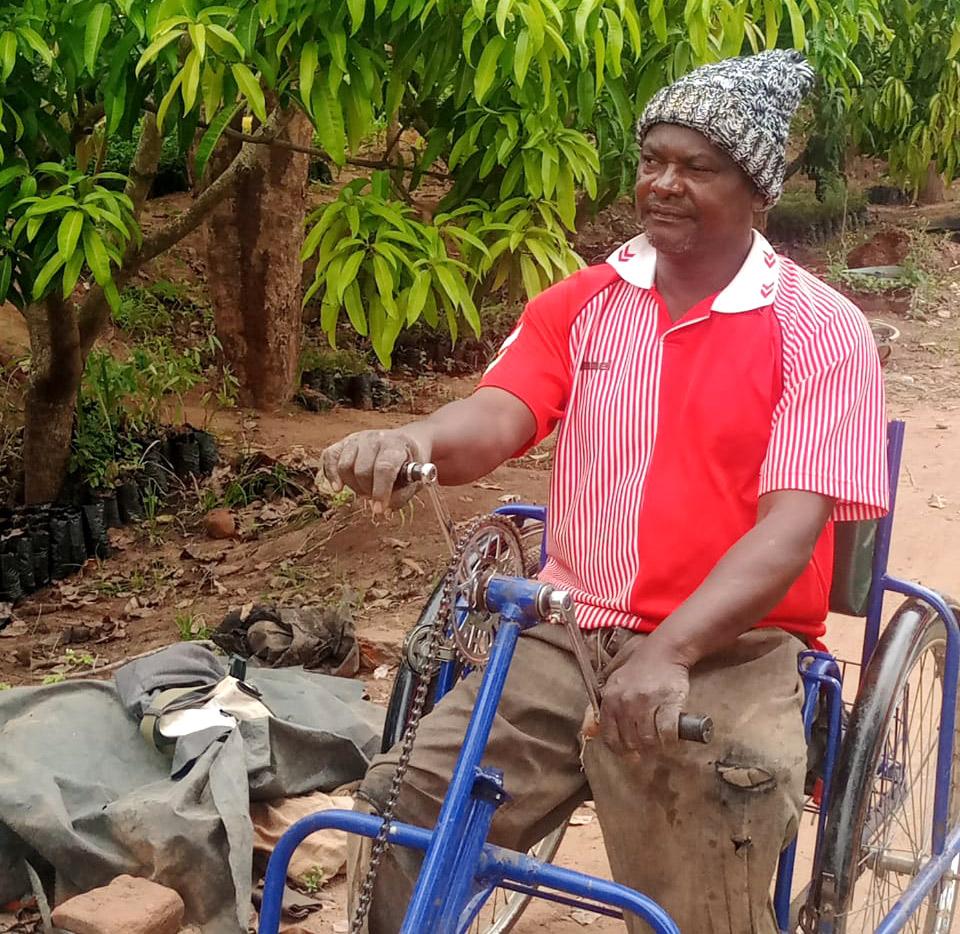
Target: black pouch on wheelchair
(853,545)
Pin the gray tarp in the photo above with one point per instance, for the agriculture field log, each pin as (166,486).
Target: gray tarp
(82,790)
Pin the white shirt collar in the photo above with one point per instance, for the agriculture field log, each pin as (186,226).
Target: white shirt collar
(754,286)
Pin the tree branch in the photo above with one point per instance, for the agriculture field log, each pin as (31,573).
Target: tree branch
(95,311)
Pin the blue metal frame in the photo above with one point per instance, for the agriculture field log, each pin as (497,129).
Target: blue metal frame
(460,869)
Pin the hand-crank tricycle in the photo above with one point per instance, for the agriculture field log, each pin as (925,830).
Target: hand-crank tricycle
(884,783)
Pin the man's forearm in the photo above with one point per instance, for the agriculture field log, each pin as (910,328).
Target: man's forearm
(746,584)
(468,438)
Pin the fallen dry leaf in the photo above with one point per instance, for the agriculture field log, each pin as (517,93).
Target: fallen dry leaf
(510,498)
(487,485)
(936,501)
(410,563)
(581,817)
(381,673)
(582,917)
(396,543)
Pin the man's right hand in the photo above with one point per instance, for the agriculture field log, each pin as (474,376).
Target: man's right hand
(369,463)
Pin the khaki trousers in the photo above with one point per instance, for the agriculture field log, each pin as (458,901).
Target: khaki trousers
(697,827)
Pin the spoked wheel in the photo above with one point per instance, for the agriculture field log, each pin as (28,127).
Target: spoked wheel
(880,823)
(503,909)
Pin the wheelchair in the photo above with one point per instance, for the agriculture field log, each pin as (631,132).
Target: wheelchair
(883,765)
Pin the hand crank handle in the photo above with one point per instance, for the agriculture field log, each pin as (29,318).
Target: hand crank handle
(695,729)
(412,472)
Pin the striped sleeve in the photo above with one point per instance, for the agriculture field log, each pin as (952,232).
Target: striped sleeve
(534,362)
(829,427)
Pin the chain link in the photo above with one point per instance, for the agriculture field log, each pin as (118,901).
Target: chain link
(444,616)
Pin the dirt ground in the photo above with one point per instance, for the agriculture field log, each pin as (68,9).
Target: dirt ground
(169,572)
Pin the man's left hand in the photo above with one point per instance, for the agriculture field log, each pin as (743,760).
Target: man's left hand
(645,693)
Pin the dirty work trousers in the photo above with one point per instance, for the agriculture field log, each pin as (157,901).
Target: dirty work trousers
(697,827)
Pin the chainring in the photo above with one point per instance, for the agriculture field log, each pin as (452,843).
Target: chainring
(489,545)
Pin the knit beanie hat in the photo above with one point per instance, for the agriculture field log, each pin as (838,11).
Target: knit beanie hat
(743,106)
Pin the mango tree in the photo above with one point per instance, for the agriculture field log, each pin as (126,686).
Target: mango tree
(523,108)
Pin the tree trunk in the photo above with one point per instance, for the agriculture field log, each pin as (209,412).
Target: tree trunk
(932,190)
(55,371)
(254,271)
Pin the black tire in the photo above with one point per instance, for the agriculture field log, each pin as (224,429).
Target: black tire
(876,837)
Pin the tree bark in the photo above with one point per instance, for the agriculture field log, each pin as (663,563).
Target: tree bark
(55,371)
(932,190)
(254,238)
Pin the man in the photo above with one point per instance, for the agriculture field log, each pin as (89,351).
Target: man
(718,407)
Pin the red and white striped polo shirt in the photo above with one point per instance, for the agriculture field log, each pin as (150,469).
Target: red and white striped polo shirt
(671,431)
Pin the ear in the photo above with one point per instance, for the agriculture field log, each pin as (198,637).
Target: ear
(758,202)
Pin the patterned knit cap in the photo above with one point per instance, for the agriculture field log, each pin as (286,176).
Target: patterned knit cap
(743,106)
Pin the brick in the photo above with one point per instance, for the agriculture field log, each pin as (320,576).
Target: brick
(126,906)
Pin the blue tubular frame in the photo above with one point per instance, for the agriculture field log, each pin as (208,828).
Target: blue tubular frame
(459,869)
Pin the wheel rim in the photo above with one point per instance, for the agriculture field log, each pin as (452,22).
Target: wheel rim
(896,837)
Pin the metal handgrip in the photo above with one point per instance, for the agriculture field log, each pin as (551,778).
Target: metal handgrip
(412,472)
(695,729)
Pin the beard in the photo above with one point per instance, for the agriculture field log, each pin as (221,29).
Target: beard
(670,242)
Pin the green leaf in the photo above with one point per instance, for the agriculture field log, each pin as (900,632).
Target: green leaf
(308,70)
(531,278)
(522,55)
(6,273)
(47,205)
(355,309)
(614,42)
(8,53)
(191,80)
(797,26)
(9,174)
(658,19)
(198,36)
(97,258)
(503,9)
(348,273)
(248,25)
(566,197)
(417,296)
(155,48)
(69,233)
(954,43)
(35,42)
(98,25)
(168,99)
(227,37)
(357,9)
(584,10)
(71,272)
(211,87)
(487,68)
(50,269)
(329,122)
(251,90)
(386,285)
(211,137)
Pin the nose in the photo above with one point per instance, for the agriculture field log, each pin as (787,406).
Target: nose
(667,181)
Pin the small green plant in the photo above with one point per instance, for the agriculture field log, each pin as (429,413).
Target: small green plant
(5,686)
(54,679)
(79,659)
(313,880)
(191,627)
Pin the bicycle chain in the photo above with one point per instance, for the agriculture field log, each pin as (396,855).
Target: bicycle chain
(444,614)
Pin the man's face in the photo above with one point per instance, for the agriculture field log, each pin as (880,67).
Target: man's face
(690,194)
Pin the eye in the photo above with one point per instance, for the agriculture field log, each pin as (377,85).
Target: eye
(649,161)
(702,169)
